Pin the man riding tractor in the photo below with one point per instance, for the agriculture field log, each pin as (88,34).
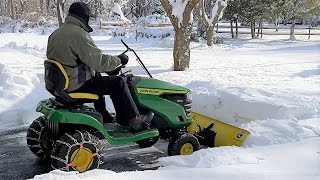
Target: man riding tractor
(72,46)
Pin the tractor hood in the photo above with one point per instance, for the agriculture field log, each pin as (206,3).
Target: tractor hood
(158,87)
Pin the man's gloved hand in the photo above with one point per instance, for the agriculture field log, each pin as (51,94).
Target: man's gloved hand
(124,59)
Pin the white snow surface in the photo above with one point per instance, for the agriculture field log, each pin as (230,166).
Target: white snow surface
(270,87)
(286,161)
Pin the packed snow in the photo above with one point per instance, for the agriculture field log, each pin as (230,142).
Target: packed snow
(269,86)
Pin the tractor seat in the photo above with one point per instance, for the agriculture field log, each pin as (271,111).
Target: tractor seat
(57,82)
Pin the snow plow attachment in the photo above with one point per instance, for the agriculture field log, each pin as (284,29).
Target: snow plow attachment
(213,133)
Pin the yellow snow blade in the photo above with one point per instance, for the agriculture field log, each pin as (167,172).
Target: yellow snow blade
(226,134)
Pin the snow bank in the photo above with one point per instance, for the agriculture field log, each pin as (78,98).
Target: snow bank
(154,20)
(14,87)
(293,161)
(41,25)
(213,157)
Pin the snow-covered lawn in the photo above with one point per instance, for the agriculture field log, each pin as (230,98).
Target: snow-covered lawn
(267,86)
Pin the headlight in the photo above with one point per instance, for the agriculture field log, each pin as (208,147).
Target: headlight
(189,96)
(39,105)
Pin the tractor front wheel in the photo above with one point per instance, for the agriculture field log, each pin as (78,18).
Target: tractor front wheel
(37,138)
(185,144)
(77,151)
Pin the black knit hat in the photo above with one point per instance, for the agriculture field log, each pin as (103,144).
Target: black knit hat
(81,10)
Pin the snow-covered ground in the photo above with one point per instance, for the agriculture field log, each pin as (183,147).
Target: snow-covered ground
(270,87)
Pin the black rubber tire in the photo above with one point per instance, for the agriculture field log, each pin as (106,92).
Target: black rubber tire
(175,146)
(37,138)
(71,142)
(148,142)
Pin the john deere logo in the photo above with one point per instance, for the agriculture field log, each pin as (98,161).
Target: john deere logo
(149,91)
(158,91)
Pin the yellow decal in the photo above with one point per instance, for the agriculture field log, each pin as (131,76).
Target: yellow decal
(158,91)
(83,96)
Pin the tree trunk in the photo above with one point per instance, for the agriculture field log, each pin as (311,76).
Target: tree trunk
(210,32)
(41,11)
(292,33)
(47,6)
(22,5)
(96,12)
(237,30)
(276,23)
(8,7)
(1,8)
(181,50)
(261,29)
(183,28)
(200,25)
(13,9)
(252,26)
(231,26)
(60,12)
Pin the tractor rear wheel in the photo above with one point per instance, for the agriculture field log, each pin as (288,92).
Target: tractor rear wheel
(37,138)
(148,142)
(185,144)
(77,151)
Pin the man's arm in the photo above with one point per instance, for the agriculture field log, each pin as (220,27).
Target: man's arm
(91,55)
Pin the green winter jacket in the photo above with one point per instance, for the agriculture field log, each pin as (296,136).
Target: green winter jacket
(72,46)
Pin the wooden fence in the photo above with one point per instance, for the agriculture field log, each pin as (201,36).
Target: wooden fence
(271,30)
(226,28)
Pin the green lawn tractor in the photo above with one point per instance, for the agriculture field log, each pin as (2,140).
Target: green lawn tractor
(70,133)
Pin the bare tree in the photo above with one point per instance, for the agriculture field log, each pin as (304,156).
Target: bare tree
(182,24)
(13,11)
(60,11)
(208,22)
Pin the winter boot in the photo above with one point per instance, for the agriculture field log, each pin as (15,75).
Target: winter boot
(141,122)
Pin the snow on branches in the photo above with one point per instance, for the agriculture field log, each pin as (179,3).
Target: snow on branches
(208,22)
(179,11)
(178,8)
(217,12)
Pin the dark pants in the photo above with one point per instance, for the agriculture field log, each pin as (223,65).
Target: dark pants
(118,90)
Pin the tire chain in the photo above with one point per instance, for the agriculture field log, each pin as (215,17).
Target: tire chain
(90,137)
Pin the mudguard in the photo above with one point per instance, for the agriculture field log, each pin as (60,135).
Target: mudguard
(214,133)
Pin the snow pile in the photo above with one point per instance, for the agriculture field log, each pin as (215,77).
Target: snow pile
(299,160)
(213,157)
(14,87)
(28,48)
(40,25)
(154,20)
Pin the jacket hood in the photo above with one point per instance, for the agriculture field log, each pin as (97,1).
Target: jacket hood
(74,19)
